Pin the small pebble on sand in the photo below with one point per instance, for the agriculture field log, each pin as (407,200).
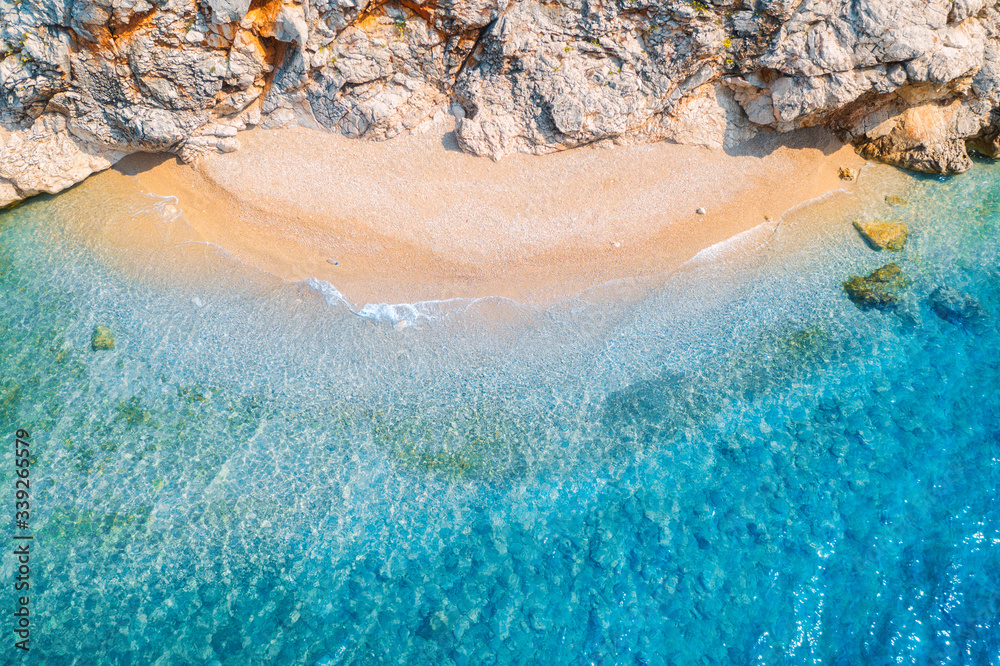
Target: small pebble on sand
(701,211)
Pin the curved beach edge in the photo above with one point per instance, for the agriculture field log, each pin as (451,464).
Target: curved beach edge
(415,219)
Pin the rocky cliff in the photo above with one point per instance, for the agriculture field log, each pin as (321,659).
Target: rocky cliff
(84,82)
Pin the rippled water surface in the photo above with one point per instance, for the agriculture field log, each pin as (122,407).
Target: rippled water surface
(742,467)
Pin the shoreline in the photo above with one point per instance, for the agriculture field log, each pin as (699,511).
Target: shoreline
(412,219)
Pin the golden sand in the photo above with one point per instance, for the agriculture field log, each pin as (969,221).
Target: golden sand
(415,219)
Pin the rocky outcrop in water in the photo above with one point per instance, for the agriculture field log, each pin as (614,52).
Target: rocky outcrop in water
(882,235)
(102,339)
(83,83)
(879,289)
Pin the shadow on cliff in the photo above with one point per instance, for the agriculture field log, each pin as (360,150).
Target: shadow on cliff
(766,143)
(137,163)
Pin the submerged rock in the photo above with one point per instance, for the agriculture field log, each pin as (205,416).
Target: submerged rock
(466,440)
(102,338)
(653,410)
(882,235)
(879,289)
(956,307)
(894,200)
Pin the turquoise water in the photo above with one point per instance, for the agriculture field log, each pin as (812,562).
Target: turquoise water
(741,467)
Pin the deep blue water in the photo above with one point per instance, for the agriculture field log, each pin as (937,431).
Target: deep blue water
(741,467)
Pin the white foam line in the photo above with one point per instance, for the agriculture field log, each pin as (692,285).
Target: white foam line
(732,244)
(809,202)
(160,204)
(165,198)
(403,314)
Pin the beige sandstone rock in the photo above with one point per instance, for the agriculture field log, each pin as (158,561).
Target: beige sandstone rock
(882,235)
(922,138)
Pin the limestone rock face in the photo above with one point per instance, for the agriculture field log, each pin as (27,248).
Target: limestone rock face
(47,158)
(83,83)
(227,11)
(882,235)
(879,289)
(922,138)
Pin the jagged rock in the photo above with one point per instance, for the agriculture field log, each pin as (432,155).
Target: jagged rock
(102,339)
(986,144)
(879,289)
(9,195)
(47,158)
(922,138)
(848,174)
(290,25)
(908,81)
(882,235)
(956,307)
(227,11)
(987,141)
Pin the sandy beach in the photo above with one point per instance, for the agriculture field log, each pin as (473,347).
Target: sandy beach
(415,219)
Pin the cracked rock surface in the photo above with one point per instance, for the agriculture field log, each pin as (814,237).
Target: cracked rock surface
(909,82)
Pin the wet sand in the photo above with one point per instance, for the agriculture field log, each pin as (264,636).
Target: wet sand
(415,219)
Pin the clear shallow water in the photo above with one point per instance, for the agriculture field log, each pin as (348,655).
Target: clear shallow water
(741,468)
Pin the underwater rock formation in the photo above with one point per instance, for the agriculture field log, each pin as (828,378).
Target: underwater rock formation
(956,307)
(102,339)
(879,289)
(84,83)
(882,235)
